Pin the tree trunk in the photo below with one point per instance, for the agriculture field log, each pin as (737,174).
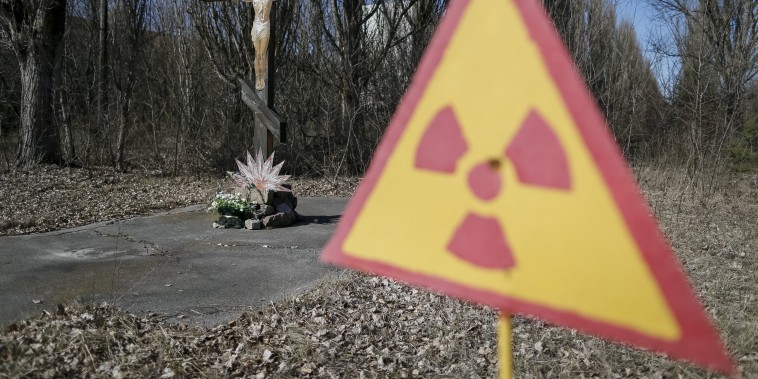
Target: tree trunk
(100,128)
(66,139)
(39,137)
(126,117)
(123,129)
(68,152)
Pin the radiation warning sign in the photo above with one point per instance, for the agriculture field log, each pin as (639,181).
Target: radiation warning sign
(498,182)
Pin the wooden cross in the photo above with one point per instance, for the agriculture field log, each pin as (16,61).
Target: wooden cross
(268,124)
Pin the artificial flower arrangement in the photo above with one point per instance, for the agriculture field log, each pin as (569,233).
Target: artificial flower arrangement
(257,175)
(227,204)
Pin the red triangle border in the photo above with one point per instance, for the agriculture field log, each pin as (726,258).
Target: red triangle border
(699,344)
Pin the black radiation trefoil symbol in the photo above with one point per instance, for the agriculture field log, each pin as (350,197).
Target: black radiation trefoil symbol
(539,160)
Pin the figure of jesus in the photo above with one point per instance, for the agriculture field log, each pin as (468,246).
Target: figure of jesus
(260,34)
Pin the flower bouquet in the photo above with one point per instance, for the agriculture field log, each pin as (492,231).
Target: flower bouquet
(262,200)
(227,204)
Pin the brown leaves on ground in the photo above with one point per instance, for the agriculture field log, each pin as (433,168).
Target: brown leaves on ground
(322,187)
(353,326)
(48,197)
(350,326)
(361,326)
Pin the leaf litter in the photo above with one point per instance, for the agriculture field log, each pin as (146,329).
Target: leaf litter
(355,325)
(49,197)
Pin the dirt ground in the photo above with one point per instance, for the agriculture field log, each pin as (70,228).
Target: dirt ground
(362,326)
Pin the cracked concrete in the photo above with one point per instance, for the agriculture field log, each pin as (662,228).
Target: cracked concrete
(172,263)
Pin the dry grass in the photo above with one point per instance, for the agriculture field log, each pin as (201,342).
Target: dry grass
(360,326)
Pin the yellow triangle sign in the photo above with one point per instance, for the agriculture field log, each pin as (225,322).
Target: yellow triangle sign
(497,182)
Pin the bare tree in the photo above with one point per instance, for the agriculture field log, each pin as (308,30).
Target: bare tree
(610,60)
(34,29)
(717,44)
(129,40)
(570,22)
(635,99)
(357,39)
(9,91)
(194,92)
(63,121)
(99,128)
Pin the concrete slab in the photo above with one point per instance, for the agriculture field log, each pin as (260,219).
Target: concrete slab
(172,263)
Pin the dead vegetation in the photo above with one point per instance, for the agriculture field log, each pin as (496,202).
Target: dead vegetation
(49,197)
(362,326)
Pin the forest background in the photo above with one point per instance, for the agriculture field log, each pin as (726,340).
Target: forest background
(153,83)
(143,95)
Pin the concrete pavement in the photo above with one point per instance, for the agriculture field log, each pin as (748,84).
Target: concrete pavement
(172,263)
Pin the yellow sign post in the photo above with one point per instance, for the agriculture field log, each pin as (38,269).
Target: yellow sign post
(504,346)
(497,182)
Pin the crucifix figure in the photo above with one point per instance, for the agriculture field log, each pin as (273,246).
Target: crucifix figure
(268,125)
(259,97)
(260,34)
